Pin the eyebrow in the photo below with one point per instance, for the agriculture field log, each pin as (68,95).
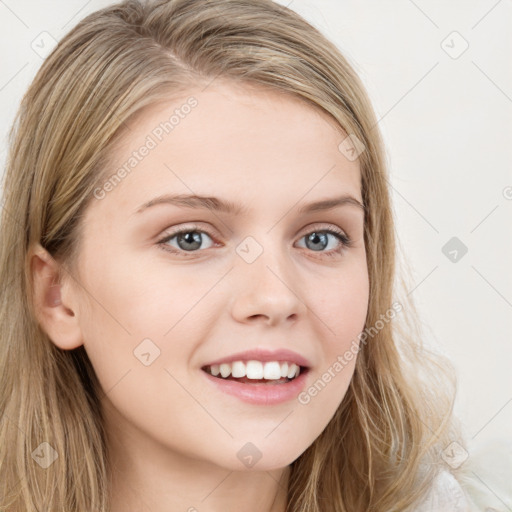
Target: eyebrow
(216,204)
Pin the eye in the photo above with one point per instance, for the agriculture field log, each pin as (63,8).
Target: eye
(190,240)
(318,240)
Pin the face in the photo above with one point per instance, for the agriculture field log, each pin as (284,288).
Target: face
(274,276)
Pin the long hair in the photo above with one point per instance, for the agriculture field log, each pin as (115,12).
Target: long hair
(381,450)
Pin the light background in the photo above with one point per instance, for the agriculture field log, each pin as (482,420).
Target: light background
(446,117)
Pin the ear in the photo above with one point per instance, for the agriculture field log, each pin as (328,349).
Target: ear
(51,296)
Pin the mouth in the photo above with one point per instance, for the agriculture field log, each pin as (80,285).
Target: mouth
(256,372)
(261,383)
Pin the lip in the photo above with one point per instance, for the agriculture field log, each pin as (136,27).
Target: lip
(264,355)
(260,394)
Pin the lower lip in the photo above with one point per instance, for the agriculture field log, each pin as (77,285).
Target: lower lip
(261,394)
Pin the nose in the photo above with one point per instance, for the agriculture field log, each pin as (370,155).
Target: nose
(266,290)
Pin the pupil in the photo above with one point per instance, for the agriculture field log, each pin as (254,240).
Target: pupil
(315,237)
(192,237)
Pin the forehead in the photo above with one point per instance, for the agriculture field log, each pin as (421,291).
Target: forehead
(244,141)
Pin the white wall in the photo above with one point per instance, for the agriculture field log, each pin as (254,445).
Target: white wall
(447,124)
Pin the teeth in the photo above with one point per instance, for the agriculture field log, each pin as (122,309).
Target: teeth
(253,369)
(293,371)
(225,370)
(271,370)
(238,369)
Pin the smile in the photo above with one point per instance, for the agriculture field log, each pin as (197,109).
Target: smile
(256,382)
(255,371)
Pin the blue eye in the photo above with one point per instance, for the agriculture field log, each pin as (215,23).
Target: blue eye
(321,238)
(190,239)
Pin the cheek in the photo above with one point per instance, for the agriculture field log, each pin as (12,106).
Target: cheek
(342,308)
(342,304)
(138,310)
(139,297)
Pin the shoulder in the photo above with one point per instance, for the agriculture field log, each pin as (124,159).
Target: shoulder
(445,495)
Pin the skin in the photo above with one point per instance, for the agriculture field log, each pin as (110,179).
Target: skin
(173,437)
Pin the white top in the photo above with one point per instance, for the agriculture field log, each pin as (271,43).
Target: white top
(446,495)
(482,484)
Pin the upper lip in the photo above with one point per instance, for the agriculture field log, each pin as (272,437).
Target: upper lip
(264,355)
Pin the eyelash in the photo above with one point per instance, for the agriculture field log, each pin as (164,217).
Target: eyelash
(345,240)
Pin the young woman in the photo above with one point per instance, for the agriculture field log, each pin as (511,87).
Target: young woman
(198,264)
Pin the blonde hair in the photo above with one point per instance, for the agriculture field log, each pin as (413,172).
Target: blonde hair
(381,449)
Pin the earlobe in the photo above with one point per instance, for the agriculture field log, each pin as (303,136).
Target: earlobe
(51,294)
